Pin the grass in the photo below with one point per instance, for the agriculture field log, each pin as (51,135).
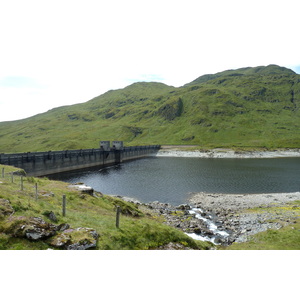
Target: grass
(137,230)
(286,238)
(259,109)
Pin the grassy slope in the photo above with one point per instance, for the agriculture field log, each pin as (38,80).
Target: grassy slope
(144,232)
(249,107)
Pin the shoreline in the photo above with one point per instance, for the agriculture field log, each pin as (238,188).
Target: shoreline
(230,212)
(223,219)
(226,153)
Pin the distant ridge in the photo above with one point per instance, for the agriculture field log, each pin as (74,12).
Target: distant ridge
(261,70)
(246,108)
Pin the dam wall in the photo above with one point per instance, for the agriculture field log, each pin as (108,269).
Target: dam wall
(51,162)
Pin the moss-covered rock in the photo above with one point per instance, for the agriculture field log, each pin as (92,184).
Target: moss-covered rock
(5,208)
(127,208)
(32,228)
(75,239)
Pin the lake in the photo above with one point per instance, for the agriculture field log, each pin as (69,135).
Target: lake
(173,179)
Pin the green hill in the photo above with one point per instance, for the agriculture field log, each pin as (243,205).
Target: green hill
(243,108)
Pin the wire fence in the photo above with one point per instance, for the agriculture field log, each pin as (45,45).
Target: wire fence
(30,185)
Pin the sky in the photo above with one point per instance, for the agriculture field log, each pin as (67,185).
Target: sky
(56,53)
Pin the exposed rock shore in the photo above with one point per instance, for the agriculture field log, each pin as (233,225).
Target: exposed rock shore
(184,218)
(229,211)
(223,218)
(226,153)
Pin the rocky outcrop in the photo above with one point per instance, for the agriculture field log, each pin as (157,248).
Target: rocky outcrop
(35,228)
(171,109)
(5,208)
(75,239)
(179,217)
(32,228)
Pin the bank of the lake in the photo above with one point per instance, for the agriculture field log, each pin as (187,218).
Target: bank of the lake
(226,219)
(244,215)
(32,218)
(234,219)
(184,151)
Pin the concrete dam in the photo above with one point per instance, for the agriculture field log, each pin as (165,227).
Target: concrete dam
(51,162)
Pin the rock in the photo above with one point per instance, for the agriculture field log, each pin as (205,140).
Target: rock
(63,227)
(61,239)
(173,246)
(183,207)
(32,228)
(218,240)
(82,188)
(19,173)
(49,194)
(75,239)
(50,215)
(197,230)
(5,208)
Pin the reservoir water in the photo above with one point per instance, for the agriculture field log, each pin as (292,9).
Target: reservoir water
(173,179)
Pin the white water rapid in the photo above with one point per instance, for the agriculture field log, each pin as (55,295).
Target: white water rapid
(211,226)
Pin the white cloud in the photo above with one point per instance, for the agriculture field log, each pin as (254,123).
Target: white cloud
(77,50)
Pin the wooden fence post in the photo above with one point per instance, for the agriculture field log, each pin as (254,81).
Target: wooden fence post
(21,182)
(36,191)
(64,205)
(2,172)
(12,177)
(118,216)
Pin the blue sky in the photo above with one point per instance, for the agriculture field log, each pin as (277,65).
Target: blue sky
(296,69)
(56,53)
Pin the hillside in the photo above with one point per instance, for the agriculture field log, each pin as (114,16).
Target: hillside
(243,108)
(32,220)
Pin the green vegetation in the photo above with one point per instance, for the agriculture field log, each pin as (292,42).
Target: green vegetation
(248,108)
(286,238)
(138,229)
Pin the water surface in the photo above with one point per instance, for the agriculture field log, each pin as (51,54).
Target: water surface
(173,179)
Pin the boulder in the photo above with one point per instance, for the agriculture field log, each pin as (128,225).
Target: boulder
(50,215)
(183,207)
(5,208)
(75,239)
(63,227)
(82,188)
(32,228)
(61,236)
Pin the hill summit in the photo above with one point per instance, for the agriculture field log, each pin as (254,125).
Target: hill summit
(242,108)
